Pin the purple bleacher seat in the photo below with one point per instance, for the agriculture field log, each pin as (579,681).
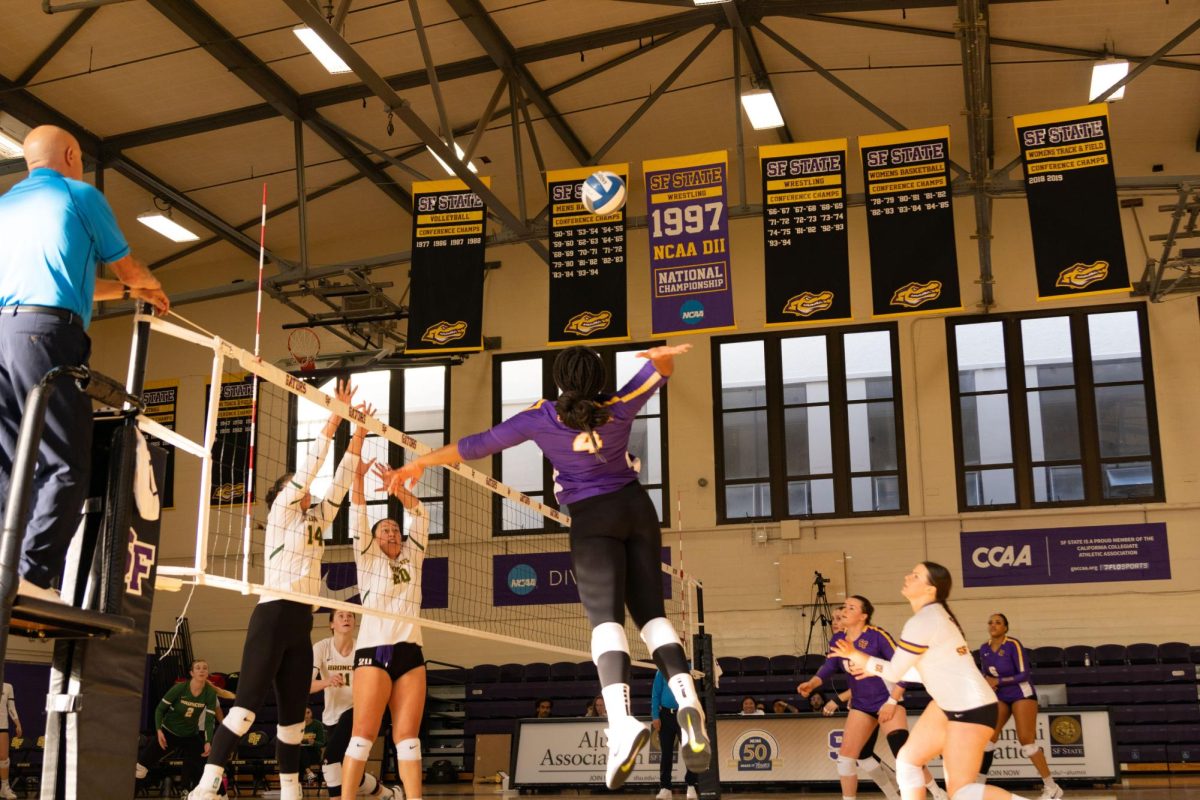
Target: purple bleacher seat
(485,673)
(563,671)
(586,671)
(636,672)
(1142,653)
(1076,654)
(756,665)
(1196,654)
(1108,655)
(729,705)
(1183,733)
(731,666)
(1174,653)
(1183,753)
(809,664)
(1046,675)
(1046,657)
(1131,715)
(1182,712)
(537,671)
(1100,695)
(784,665)
(445,677)
(476,726)
(1110,675)
(511,673)
(1142,754)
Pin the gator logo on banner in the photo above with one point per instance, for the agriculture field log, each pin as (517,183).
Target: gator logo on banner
(807,304)
(445,332)
(1081,276)
(914,295)
(586,323)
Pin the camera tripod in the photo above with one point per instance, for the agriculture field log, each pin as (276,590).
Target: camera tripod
(822,616)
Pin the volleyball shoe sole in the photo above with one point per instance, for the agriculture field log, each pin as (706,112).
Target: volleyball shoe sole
(626,739)
(694,747)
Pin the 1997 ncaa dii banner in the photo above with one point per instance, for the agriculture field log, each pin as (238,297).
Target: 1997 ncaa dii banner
(1072,195)
(446,302)
(691,288)
(587,263)
(910,222)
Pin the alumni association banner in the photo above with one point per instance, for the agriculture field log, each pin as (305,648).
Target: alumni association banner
(806,248)
(910,222)
(587,263)
(446,302)
(1071,191)
(690,282)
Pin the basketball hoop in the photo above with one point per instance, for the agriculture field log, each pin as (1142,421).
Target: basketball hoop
(305,346)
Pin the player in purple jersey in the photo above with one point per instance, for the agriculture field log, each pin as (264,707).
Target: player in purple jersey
(1005,667)
(616,540)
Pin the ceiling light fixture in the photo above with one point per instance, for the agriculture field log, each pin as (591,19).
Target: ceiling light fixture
(161,222)
(10,147)
(709,2)
(762,109)
(1104,74)
(458,151)
(324,53)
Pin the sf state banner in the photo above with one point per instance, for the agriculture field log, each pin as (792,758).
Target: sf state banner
(690,282)
(161,399)
(806,249)
(445,313)
(587,263)
(910,222)
(1072,195)
(231,447)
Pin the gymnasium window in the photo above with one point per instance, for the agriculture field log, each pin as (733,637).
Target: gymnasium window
(808,424)
(415,400)
(520,380)
(1054,408)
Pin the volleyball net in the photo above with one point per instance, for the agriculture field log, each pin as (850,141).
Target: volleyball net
(496,565)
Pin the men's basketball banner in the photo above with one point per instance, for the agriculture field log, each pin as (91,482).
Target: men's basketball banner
(231,447)
(445,312)
(161,399)
(587,263)
(910,222)
(691,288)
(806,248)
(1071,191)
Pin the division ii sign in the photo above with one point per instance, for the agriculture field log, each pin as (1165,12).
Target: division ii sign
(691,288)
(1071,191)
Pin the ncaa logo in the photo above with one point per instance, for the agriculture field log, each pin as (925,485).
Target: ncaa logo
(985,557)
(691,312)
(522,579)
(755,751)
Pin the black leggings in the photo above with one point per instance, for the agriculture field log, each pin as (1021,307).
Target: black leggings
(337,737)
(277,653)
(616,553)
(188,748)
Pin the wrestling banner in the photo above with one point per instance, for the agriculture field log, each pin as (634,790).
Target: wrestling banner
(587,263)
(691,288)
(1071,191)
(806,249)
(162,399)
(445,313)
(910,222)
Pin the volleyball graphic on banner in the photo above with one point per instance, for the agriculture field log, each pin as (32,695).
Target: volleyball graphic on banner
(603,193)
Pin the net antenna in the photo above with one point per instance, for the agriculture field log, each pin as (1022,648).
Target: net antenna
(304,345)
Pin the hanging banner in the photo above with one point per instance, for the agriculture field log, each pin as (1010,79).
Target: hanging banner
(587,263)
(691,288)
(445,313)
(910,222)
(1071,191)
(806,249)
(231,447)
(161,399)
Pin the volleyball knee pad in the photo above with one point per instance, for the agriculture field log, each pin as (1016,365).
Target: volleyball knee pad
(139,771)
(1030,750)
(608,637)
(290,734)
(911,776)
(896,740)
(408,750)
(239,720)
(359,749)
(971,791)
(990,747)
(332,774)
(659,632)
(847,766)
(368,785)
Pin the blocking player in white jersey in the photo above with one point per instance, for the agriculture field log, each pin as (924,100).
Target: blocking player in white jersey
(333,665)
(278,650)
(959,720)
(389,667)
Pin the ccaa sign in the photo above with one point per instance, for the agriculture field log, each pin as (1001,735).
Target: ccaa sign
(986,557)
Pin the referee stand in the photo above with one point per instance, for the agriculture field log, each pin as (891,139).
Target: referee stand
(102,627)
(709,783)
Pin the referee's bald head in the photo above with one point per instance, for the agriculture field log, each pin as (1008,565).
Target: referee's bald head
(52,147)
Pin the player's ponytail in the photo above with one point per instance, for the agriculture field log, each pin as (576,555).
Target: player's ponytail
(580,376)
(278,486)
(867,607)
(942,582)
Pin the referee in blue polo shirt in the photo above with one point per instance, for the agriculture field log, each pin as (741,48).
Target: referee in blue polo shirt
(55,231)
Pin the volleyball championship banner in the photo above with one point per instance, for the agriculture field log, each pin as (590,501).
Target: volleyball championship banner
(1088,554)
(588,299)
(1071,191)
(691,288)
(161,400)
(231,447)
(533,579)
(910,222)
(806,248)
(445,310)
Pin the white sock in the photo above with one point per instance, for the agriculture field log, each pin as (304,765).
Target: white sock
(684,690)
(368,785)
(932,785)
(211,779)
(616,702)
(289,786)
(1048,782)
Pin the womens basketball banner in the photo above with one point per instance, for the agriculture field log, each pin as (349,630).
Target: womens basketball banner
(231,447)
(1071,191)
(161,399)
(587,263)
(445,313)
(691,288)
(910,222)
(806,248)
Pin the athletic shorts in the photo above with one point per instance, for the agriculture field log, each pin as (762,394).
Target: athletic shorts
(396,659)
(981,715)
(1016,691)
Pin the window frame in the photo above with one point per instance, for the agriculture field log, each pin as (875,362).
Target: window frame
(777,476)
(1084,385)
(549,389)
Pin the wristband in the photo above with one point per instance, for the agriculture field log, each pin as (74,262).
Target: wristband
(891,701)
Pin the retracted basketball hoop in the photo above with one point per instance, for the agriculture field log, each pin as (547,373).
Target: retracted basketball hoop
(305,346)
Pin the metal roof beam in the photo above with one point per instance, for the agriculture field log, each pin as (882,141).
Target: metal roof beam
(52,49)
(977,90)
(760,77)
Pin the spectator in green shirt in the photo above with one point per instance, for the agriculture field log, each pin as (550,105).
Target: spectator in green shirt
(184,723)
(312,744)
